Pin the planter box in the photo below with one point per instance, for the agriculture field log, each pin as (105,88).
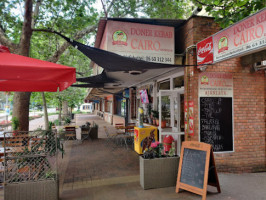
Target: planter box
(40,190)
(93,133)
(158,172)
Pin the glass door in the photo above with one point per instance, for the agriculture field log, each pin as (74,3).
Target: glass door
(171,108)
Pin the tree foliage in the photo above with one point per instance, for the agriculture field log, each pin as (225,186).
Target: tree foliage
(167,9)
(227,12)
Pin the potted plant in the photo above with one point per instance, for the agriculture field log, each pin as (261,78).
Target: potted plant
(158,170)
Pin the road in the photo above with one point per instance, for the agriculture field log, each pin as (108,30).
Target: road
(35,123)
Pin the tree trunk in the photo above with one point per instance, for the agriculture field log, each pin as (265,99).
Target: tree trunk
(21,103)
(46,120)
(65,109)
(60,112)
(22,99)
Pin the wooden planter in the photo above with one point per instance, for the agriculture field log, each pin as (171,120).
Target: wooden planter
(41,190)
(94,133)
(158,172)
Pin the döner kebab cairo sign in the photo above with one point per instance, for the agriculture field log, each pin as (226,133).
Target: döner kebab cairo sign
(242,38)
(140,41)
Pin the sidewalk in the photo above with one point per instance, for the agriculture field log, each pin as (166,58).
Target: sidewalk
(97,172)
(91,170)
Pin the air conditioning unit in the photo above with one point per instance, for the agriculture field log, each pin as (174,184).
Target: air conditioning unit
(260,65)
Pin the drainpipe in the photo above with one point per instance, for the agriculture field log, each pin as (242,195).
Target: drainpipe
(187,136)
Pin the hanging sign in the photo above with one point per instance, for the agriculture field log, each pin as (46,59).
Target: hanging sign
(140,41)
(197,168)
(205,51)
(144,97)
(242,38)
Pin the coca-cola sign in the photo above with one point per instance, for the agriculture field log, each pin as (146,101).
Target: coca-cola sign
(205,51)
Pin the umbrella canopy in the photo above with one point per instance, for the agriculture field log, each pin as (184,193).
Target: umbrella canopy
(24,74)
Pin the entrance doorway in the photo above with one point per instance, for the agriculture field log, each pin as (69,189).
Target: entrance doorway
(171,109)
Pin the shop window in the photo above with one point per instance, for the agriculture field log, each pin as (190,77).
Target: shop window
(108,106)
(123,107)
(118,107)
(163,85)
(178,82)
(133,104)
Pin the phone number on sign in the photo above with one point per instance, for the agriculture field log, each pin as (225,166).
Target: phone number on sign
(158,59)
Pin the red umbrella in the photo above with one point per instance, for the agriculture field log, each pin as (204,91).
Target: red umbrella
(24,74)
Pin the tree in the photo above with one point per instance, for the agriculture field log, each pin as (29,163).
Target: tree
(227,12)
(167,9)
(75,19)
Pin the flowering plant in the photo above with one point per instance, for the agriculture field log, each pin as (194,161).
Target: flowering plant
(155,151)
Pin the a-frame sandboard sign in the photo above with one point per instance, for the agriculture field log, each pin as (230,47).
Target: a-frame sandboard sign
(197,168)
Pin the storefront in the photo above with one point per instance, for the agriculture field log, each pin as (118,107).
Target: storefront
(221,104)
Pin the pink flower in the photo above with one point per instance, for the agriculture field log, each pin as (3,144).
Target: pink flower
(155,144)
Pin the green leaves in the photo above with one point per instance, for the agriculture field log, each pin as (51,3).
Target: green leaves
(167,9)
(227,12)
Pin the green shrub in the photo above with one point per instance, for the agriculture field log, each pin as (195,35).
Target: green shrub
(67,120)
(15,123)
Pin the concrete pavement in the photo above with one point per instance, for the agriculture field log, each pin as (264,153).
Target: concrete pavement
(94,171)
(98,172)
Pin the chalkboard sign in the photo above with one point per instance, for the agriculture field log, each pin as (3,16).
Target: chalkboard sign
(216,123)
(193,167)
(197,168)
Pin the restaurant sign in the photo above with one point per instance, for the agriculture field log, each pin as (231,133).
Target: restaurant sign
(215,84)
(244,37)
(140,41)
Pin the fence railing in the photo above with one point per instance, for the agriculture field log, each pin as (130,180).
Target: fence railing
(30,156)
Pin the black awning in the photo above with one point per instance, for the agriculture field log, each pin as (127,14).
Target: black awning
(114,62)
(89,85)
(100,78)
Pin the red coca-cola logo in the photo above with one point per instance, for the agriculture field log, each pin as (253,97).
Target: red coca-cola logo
(205,51)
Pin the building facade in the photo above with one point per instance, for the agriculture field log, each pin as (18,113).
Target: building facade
(223,104)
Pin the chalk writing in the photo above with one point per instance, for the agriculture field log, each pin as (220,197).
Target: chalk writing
(216,122)
(193,167)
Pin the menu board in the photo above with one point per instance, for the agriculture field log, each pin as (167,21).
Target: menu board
(193,167)
(216,123)
(197,168)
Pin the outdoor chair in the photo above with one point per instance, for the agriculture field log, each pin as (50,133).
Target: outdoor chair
(111,138)
(70,133)
(85,132)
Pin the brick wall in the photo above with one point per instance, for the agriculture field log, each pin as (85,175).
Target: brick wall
(248,103)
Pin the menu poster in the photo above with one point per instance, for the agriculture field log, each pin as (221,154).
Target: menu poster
(189,111)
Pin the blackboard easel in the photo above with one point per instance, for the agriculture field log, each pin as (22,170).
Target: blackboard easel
(197,168)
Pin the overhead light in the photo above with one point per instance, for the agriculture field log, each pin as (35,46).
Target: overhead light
(135,72)
(117,84)
(260,65)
